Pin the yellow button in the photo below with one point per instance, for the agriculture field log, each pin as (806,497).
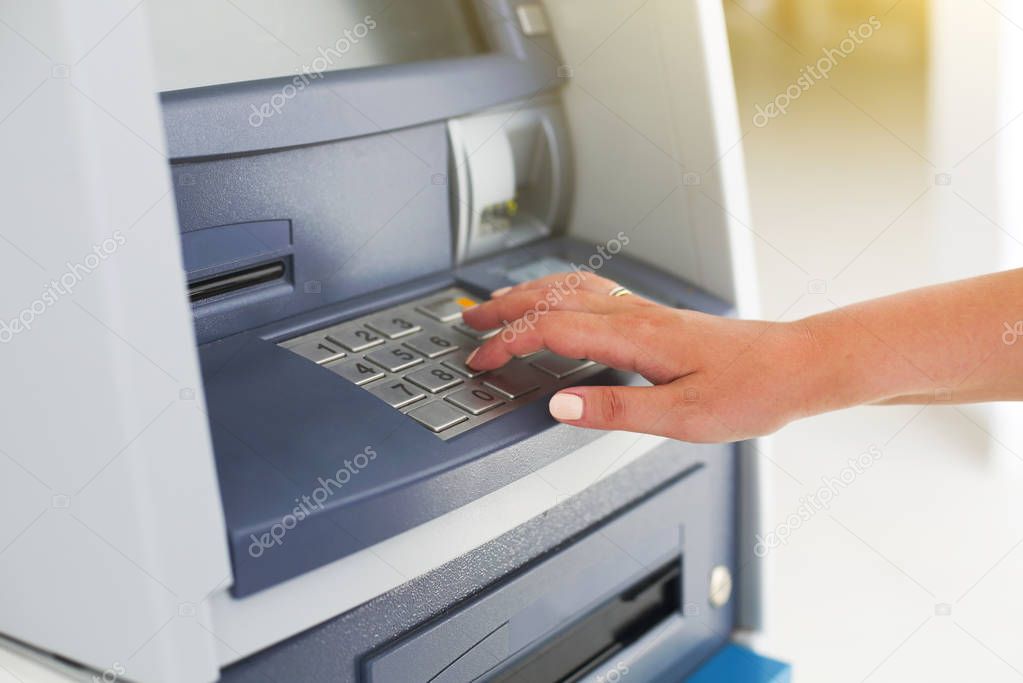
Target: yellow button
(465,302)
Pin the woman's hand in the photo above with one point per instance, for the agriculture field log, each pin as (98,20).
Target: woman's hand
(715,379)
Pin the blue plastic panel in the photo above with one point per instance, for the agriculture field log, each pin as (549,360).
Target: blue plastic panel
(735,663)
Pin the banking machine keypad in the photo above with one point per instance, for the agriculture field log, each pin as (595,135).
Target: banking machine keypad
(412,357)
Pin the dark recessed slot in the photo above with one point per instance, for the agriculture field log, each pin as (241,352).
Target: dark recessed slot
(207,288)
(615,625)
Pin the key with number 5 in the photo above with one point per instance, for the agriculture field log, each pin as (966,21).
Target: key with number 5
(395,359)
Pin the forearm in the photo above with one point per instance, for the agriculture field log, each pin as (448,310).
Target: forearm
(721,379)
(948,342)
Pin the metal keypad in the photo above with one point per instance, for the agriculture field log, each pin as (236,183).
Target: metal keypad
(412,357)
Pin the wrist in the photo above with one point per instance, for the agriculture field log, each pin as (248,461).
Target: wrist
(808,364)
(845,365)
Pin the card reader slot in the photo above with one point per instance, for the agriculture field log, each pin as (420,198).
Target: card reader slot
(612,627)
(227,283)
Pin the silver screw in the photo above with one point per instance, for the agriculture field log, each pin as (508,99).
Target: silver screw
(720,586)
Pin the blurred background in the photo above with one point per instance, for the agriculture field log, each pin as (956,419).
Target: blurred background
(900,168)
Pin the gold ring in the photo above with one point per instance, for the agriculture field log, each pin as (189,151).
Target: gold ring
(619,291)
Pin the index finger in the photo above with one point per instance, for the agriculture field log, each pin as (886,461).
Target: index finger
(532,304)
(571,334)
(566,283)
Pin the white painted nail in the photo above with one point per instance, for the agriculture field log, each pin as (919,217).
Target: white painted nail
(566,406)
(499,292)
(468,359)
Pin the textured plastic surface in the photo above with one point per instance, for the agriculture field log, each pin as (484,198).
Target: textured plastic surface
(737,663)
(577,539)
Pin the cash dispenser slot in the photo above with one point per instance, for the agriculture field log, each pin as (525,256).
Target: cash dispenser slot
(609,629)
(580,610)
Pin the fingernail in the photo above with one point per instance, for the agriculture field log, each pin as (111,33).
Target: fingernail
(499,292)
(566,406)
(468,359)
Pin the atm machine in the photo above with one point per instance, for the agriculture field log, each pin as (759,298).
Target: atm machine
(255,448)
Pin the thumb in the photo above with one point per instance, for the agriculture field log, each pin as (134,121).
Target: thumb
(650,410)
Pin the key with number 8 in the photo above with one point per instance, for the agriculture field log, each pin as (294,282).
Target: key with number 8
(434,378)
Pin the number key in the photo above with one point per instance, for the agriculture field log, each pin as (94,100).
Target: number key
(478,335)
(435,378)
(457,363)
(354,339)
(433,345)
(476,400)
(438,416)
(394,359)
(393,326)
(397,394)
(314,348)
(448,308)
(559,366)
(358,372)
(513,382)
